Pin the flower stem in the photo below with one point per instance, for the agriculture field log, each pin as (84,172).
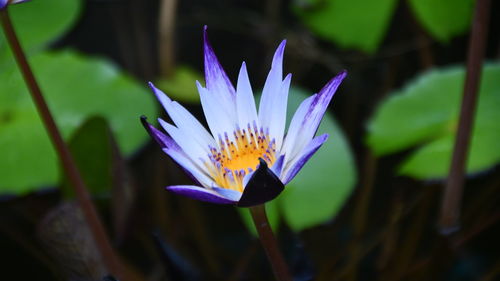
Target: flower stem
(452,199)
(91,217)
(269,243)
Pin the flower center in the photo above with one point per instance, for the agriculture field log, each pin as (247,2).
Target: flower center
(235,158)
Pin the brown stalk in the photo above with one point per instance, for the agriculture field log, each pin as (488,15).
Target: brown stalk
(166,37)
(67,162)
(452,199)
(269,243)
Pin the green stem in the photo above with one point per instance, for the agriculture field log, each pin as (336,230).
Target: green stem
(269,243)
(89,211)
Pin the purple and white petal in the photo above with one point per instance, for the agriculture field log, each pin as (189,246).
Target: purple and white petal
(217,82)
(217,116)
(245,103)
(184,120)
(163,140)
(228,193)
(272,107)
(200,193)
(186,142)
(4,3)
(307,118)
(294,168)
(190,166)
(290,146)
(277,167)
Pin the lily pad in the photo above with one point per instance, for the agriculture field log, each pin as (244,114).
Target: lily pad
(425,114)
(75,88)
(39,23)
(359,24)
(181,86)
(96,168)
(443,19)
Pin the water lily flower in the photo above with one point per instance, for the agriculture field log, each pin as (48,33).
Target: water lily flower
(246,159)
(4,3)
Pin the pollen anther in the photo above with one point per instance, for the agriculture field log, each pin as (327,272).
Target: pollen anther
(233,159)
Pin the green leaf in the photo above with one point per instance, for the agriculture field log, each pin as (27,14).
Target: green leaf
(75,88)
(40,22)
(91,148)
(358,24)
(181,86)
(323,185)
(425,113)
(443,19)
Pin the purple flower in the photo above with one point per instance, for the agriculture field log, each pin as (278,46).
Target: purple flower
(4,3)
(246,159)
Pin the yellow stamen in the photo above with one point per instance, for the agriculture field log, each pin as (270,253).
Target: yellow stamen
(236,158)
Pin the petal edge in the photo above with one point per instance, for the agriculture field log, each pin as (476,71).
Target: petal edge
(200,193)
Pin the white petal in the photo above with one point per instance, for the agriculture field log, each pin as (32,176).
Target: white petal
(307,118)
(184,120)
(216,80)
(272,107)
(228,193)
(294,143)
(245,102)
(277,127)
(186,142)
(188,164)
(218,119)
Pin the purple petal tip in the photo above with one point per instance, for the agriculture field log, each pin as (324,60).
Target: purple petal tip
(152,87)
(342,74)
(324,137)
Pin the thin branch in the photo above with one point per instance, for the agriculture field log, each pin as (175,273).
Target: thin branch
(452,199)
(95,225)
(166,40)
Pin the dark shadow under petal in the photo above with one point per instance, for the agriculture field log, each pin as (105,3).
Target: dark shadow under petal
(263,186)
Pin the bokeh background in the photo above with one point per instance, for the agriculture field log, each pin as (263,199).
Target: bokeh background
(366,207)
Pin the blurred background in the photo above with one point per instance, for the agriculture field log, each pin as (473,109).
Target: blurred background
(365,207)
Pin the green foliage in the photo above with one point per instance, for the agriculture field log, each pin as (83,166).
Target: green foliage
(320,189)
(425,114)
(358,24)
(39,23)
(76,87)
(362,24)
(443,19)
(181,86)
(92,151)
